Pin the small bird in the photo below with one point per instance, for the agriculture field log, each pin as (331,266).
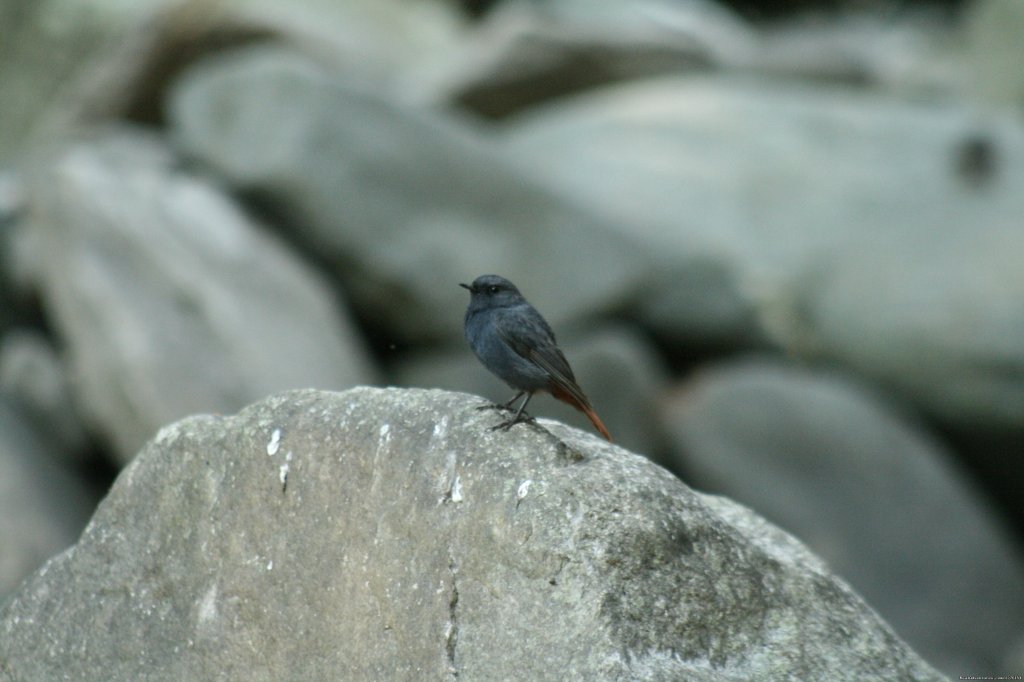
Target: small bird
(516,344)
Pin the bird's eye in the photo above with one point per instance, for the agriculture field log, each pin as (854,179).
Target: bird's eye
(493,289)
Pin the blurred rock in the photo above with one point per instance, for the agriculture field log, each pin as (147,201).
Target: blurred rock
(1015,658)
(995,52)
(936,316)
(47,45)
(43,507)
(11,206)
(404,202)
(912,53)
(69,62)
(843,219)
(387,534)
(524,53)
(171,301)
(875,497)
(616,367)
(34,377)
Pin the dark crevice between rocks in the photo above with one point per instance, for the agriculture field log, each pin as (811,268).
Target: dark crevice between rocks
(452,631)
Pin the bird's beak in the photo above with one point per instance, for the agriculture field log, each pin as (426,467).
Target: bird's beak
(465,286)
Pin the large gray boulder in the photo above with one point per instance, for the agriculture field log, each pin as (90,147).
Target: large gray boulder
(168,298)
(388,534)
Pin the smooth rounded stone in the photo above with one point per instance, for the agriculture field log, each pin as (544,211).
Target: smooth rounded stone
(169,299)
(10,206)
(875,497)
(993,52)
(33,376)
(615,366)
(913,54)
(522,54)
(72,61)
(48,46)
(388,534)
(404,202)
(880,233)
(43,507)
(937,317)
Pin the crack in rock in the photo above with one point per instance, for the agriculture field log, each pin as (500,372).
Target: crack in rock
(452,630)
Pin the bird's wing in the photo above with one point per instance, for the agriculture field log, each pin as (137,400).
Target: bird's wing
(526,333)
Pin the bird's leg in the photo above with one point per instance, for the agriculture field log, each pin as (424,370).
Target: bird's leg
(520,415)
(503,406)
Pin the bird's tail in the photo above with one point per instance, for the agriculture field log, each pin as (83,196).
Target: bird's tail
(583,406)
(596,421)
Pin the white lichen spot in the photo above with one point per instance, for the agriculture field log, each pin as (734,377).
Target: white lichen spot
(441,427)
(270,565)
(524,489)
(208,606)
(282,472)
(275,442)
(457,489)
(385,435)
(166,433)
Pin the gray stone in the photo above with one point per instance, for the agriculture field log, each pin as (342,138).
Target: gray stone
(47,45)
(994,51)
(854,226)
(873,495)
(68,62)
(34,376)
(935,316)
(912,54)
(387,534)
(522,54)
(10,206)
(43,507)
(617,368)
(170,300)
(405,202)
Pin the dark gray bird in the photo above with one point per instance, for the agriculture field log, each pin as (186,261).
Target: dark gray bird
(516,344)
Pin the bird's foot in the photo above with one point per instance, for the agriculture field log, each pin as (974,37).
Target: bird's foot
(509,423)
(495,406)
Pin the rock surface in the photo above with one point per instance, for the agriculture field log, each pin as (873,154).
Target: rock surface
(169,299)
(386,534)
(871,494)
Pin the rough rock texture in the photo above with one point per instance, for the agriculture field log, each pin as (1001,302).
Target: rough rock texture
(873,495)
(169,299)
(387,534)
(404,202)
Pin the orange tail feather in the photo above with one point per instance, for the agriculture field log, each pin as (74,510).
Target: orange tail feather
(596,421)
(566,397)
